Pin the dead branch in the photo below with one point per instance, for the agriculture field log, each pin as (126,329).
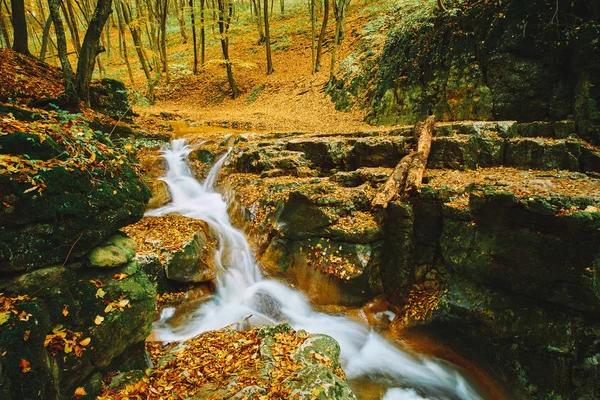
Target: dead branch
(408,174)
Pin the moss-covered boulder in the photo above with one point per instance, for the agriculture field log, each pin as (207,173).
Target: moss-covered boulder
(176,249)
(54,207)
(109,97)
(75,322)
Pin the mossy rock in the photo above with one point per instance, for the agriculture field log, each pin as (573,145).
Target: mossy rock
(109,97)
(77,211)
(75,298)
(117,250)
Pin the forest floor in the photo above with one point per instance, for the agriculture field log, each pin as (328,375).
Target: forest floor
(290,99)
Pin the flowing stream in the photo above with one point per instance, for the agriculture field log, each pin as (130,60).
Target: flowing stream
(244,294)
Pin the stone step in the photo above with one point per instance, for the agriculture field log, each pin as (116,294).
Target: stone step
(328,156)
(471,151)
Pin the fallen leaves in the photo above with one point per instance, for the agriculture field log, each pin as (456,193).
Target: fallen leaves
(164,234)
(25,366)
(65,340)
(120,276)
(79,392)
(98,320)
(7,308)
(217,363)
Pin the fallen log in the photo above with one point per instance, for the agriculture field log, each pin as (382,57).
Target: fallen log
(408,174)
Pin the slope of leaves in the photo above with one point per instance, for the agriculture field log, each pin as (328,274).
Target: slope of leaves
(23,79)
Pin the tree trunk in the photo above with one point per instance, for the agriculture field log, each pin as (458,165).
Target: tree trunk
(408,174)
(322,34)
(61,44)
(45,38)
(257,13)
(202,35)
(123,45)
(268,39)
(282,4)
(140,50)
(224,18)
(90,48)
(72,24)
(181,19)
(339,10)
(19,27)
(3,27)
(194,41)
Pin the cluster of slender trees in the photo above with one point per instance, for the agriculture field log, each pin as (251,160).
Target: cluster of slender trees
(54,28)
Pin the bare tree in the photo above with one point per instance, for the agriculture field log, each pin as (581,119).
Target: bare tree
(257,14)
(339,9)
(3,27)
(225,11)
(61,44)
(194,41)
(134,29)
(202,34)
(322,34)
(180,12)
(270,69)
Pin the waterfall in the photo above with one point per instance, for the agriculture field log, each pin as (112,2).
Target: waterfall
(242,292)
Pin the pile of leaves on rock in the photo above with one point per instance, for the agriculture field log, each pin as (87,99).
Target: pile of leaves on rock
(267,363)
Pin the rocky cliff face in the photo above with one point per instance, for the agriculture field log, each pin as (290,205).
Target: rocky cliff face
(481,60)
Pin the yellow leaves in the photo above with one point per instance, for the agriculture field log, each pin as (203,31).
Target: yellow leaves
(64,340)
(85,342)
(4,316)
(31,189)
(79,392)
(117,305)
(96,283)
(65,310)
(98,320)
(100,293)
(25,366)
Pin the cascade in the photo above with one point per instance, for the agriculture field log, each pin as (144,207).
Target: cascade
(244,294)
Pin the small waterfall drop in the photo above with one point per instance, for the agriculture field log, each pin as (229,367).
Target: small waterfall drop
(242,290)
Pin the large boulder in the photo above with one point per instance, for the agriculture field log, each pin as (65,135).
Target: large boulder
(70,325)
(173,250)
(504,262)
(63,191)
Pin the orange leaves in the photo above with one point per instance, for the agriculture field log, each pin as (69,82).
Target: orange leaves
(79,392)
(25,366)
(120,276)
(224,360)
(7,308)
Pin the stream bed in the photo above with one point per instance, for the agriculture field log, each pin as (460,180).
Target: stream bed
(375,366)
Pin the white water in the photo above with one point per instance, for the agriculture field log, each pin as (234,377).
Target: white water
(243,293)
